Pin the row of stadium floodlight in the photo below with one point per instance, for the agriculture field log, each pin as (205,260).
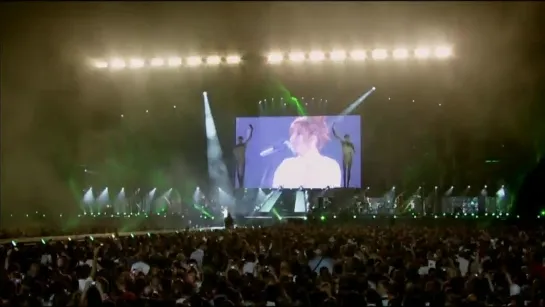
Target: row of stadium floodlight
(441,52)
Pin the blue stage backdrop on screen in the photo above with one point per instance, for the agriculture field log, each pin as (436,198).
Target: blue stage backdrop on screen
(297,151)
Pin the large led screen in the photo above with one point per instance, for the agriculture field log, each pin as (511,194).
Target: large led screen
(312,152)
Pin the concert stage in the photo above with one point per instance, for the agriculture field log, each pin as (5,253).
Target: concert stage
(297,203)
(287,203)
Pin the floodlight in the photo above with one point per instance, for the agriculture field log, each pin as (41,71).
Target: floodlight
(401,54)
(194,61)
(157,62)
(275,58)
(422,53)
(117,64)
(316,56)
(443,52)
(174,61)
(233,59)
(136,63)
(338,55)
(213,60)
(379,54)
(297,56)
(358,55)
(101,64)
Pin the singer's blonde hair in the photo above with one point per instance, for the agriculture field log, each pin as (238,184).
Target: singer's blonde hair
(308,126)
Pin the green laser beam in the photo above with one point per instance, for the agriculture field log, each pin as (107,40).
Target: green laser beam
(286,94)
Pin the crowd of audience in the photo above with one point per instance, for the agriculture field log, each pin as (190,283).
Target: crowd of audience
(284,265)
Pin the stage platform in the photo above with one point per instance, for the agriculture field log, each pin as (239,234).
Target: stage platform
(328,221)
(270,217)
(98,235)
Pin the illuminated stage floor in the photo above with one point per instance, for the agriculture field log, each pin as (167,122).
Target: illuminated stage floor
(268,217)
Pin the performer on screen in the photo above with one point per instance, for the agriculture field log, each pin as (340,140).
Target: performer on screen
(240,157)
(348,154)
(309,168)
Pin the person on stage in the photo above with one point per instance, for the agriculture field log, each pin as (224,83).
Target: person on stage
(240,157)
(348,154)
(229,222)
(309,168)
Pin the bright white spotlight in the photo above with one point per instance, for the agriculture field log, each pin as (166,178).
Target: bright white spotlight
(194,61)
(358,55)
(88,197)
(275,58)
(501,192)
(379,54)
(422,53)
(401,54)
(104,197)
(224,199)
(338,55)
(297,56)
(356,103)
(100,64)
(118,204)
(149,200)
(117,64)
(316,56)
(166,196)
(197,195)
(157,62)
(174,61)
(300,203)
(443,52)
(136,63)
(213,60)
(217,171)
(233,59)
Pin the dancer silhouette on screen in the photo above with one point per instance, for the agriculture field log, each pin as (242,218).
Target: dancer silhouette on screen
(309,168)
(240,157)
(348,154)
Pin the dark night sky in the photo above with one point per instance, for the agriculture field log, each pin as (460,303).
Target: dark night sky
(56,114)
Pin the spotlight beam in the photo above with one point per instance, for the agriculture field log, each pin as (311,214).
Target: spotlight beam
(271,200)
(357,102)
(217,170)
(300,202)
